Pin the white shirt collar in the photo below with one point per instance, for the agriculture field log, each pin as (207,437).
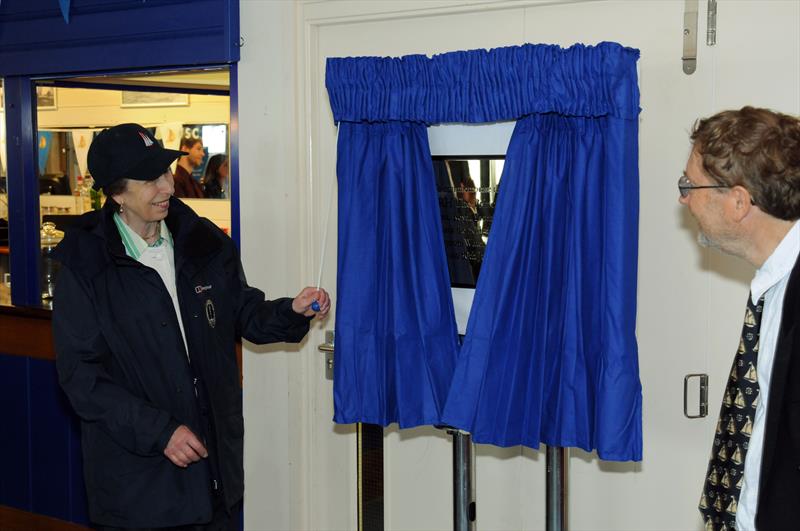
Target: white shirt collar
(778,265)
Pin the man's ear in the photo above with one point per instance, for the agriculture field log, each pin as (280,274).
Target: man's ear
(740,202)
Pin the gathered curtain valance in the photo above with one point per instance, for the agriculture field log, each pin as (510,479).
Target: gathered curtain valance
(479,86)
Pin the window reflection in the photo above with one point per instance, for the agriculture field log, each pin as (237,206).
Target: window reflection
(211,172)
(467,190)
(68,119)
(64,183)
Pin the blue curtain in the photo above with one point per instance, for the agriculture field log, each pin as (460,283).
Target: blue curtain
(396,339)
(550,353)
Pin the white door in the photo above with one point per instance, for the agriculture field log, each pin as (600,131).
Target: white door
(690,300)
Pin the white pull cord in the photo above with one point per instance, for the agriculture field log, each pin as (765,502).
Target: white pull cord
(315,303)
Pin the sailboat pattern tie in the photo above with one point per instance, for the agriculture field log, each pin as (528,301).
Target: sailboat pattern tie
(725,474)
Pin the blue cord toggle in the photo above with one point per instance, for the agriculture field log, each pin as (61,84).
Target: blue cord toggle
(315,305)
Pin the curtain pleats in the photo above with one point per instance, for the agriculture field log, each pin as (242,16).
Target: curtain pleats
(396,338)
(550,352)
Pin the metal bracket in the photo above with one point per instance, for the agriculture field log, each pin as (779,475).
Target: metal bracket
(689,36)
(711,23)
(327,348)
(703,409)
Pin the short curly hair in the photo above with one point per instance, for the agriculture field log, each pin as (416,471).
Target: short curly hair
(757,149)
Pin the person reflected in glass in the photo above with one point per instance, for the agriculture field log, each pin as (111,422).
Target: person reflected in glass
(185,184)
(469,217)
(216,177)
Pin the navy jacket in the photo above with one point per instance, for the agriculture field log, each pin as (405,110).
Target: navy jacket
(122,363)
(779,489)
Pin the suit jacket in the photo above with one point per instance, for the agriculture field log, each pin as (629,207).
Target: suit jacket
(779,489)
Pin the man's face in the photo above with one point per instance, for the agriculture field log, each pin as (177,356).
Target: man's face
(196,154)
(706,206)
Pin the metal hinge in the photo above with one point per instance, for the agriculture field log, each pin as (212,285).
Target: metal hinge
(711,23)
(689,56)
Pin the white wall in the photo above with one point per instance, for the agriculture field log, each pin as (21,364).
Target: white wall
(99,108)
(274,232)
(299,468)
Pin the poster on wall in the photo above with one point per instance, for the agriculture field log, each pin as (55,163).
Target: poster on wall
(136,98)
(46,99)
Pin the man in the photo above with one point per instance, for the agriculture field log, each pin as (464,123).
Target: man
(148,306)
(742,185)
(185,184)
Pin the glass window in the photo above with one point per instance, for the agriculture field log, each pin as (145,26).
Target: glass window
(68,118)
(5,275)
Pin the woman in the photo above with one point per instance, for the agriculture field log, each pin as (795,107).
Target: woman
(215,177)
(148,306)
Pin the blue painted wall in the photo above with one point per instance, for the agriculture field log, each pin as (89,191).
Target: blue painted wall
(115,34)
(41,466)
(40,456)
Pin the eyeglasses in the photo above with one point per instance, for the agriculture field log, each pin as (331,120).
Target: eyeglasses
(685,186)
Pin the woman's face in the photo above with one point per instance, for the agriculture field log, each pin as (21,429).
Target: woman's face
(222,171)
(146,201)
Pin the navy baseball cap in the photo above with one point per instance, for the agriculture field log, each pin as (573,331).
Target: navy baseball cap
(128,151)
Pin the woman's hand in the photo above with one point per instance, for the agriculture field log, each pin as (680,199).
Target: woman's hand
(302,303)
(184,448)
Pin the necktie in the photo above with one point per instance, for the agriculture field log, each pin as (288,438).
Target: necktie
(725,475)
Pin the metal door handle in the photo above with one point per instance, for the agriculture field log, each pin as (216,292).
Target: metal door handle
(327,348)
(703,409)
(330,335)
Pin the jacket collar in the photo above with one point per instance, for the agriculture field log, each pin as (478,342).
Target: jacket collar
(194,240)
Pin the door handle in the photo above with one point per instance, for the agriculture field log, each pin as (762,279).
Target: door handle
(327,348)
(703,406)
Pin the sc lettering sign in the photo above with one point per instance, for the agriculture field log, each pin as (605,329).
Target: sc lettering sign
(192,132)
